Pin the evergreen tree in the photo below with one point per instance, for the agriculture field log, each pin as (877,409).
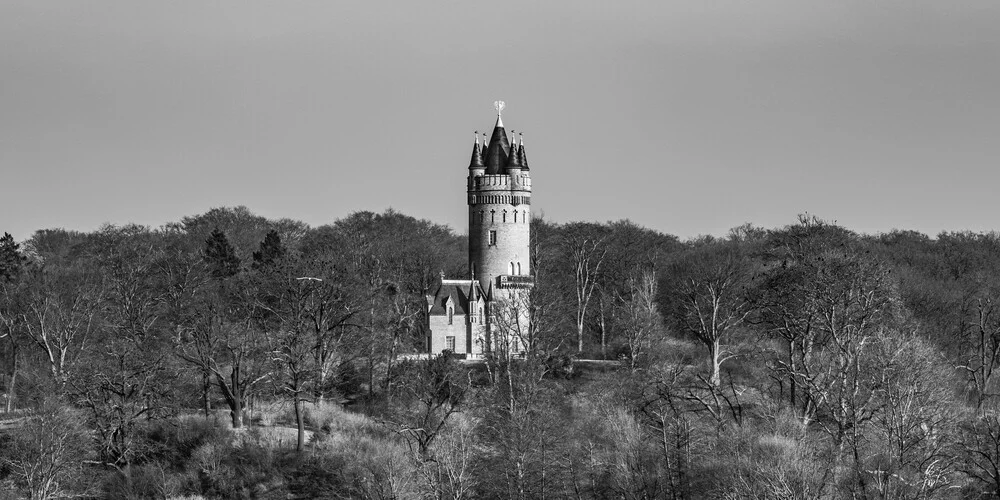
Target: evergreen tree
(271,250)
(11,258)
(220,255)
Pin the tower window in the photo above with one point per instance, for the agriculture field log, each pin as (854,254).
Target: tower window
(505,216)
(493,216)
(449,343)
(451,315)
(515,216)
(493,238)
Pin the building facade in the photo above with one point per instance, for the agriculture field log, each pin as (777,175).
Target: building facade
(489,311)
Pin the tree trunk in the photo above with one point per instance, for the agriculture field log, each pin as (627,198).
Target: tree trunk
(13,379)
(10,387)
(579,336)
(206,392)
(604,335)
(234,397)
(300,424)
(791,376)
(714,354)
(237,413)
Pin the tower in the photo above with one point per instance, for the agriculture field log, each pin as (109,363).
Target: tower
(499,197)
(489,313)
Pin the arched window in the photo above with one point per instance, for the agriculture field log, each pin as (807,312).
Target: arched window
(515,215)
(493,216)
(451,314)
(511,268)
(518,268)
(505,216)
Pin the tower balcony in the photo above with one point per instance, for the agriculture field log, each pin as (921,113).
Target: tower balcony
(514,281)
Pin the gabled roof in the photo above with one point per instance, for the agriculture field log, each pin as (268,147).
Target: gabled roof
(459,291)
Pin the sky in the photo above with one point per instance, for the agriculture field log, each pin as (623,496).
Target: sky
(689,117)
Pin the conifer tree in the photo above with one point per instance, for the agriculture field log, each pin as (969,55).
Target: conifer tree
(271,250)
(220,255)
(11,258)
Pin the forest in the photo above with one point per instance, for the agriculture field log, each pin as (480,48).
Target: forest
(229,355)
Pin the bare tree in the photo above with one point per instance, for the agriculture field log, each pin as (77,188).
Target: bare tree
(430,394)
(47,456)
(285,307)
(711,300)
(981,451)
(639,315)
(983,357)
(586,252)
(61,311)
(226,342)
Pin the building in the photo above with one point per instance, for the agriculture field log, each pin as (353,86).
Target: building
(489,311)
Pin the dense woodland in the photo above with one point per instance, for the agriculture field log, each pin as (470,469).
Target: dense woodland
(232,356)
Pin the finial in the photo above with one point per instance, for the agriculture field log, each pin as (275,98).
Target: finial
(499,105)
(477,137)
(520,137)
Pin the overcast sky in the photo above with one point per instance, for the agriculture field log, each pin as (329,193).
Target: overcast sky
(690,117)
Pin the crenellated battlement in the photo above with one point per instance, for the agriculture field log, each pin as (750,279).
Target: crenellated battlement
(500,182)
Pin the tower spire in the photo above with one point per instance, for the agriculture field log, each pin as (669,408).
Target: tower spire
(497,149)
(477,155)
(513,159)
(521,157)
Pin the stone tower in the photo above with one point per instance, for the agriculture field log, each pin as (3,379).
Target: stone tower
(499,190)
(489,313)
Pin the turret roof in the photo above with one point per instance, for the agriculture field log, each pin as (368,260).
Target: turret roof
(514,158)
(521,157)
(496,152)
(477,155)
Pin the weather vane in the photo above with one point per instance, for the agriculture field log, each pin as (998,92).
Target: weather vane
(499,105)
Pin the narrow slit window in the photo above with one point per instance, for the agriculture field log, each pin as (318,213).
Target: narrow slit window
(493,238)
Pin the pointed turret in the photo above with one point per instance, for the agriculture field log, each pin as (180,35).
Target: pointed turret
(496,153)
(522,158)
(513,158)
(476,163)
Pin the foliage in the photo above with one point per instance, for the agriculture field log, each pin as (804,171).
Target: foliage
(805,361)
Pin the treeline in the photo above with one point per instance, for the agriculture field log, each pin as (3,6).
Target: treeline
(801,362)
